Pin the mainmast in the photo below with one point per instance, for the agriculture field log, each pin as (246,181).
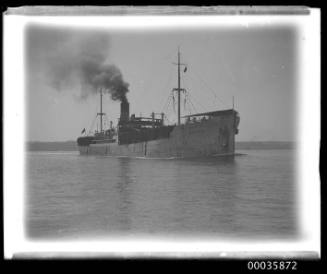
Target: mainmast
(179,89)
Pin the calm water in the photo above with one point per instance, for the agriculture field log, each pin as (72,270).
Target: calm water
(73,196)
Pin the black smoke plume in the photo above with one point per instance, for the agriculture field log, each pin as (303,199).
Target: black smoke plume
(75,59)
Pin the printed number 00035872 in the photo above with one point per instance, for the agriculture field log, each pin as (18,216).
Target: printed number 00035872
(272,265)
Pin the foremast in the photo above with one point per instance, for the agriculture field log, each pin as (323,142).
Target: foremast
(101,113)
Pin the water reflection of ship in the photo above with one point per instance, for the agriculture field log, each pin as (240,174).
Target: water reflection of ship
(124,188)
(202,134)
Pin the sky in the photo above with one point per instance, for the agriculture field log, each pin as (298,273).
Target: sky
(255,65)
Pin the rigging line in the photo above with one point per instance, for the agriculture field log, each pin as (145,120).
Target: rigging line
(167,83)
(189,107)
(169,80)
(187,92)
(168,112)
(208,87)
(164,107)
(213,92)
(168,60)
(199,81)
(106,121)
(196,101)
(167,103)
(174,104)
(189,101)
(154,61)
(192,108)
(92,123)
(169,122)
(185,104)
(168,98)
(190,104)
(193,105)
(170,73)
(95,111)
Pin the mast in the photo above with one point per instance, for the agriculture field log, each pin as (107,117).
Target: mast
(179,89)
(101,113)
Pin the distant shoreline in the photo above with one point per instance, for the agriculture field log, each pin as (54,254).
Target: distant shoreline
(72,146)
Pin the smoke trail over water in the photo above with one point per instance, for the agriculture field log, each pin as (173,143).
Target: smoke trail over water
(73,58)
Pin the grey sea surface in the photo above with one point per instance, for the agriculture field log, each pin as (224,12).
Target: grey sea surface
(249,196)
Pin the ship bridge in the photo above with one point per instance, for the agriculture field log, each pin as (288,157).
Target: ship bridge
(218,113)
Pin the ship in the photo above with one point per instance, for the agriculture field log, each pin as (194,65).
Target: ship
(205,134)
